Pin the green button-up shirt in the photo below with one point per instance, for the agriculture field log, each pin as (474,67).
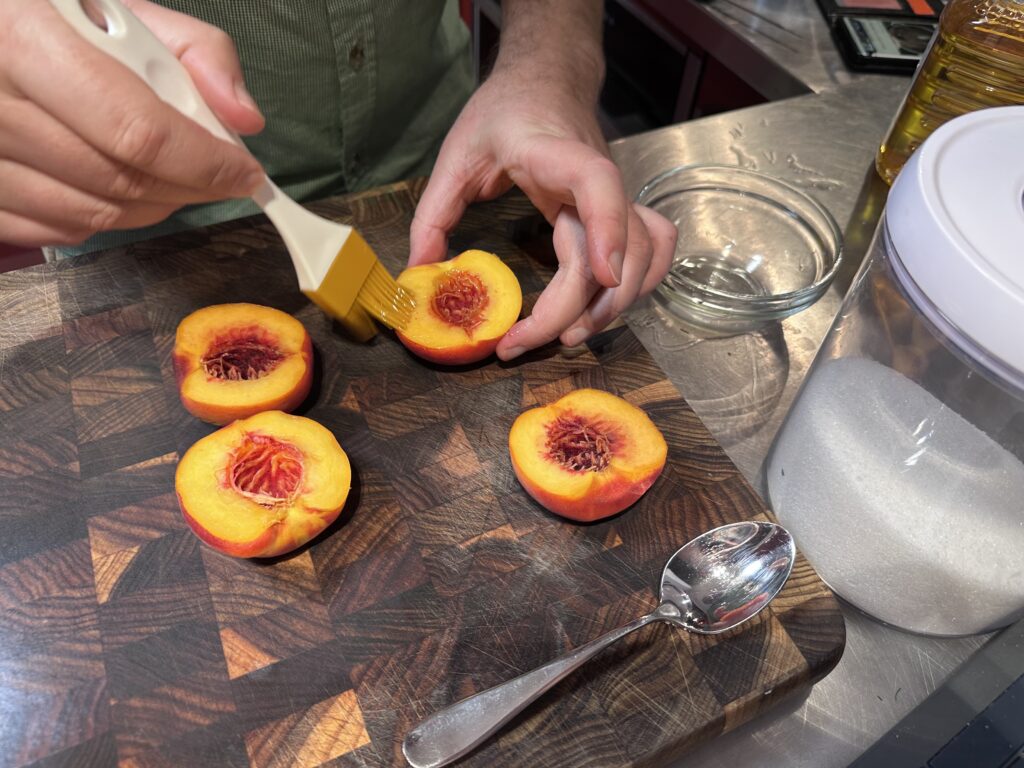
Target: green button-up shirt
(356,93)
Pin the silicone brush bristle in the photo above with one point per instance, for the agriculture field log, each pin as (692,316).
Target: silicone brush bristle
(385,299)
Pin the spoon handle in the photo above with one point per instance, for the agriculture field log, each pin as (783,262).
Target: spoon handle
(450,733)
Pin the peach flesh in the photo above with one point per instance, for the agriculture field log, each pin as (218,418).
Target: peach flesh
(586,456)
(577,445)
(242,354)
(266,470)
(460,299)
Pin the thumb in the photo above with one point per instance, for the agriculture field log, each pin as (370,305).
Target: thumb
(209,55)
(440,207)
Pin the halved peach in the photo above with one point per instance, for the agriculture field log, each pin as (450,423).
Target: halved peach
(263,486)
(463,307)
(235,360)
(587,456)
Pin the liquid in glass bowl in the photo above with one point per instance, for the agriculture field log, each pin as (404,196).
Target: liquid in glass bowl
(751,247)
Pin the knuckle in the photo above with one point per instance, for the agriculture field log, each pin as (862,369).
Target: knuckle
(580,269)
(139,140)
(220,172)
(622,302)
(669,231)
(548,331)
(660,228)
(599,164)
(664,235)
(221,40)
(105,215)
(130,184)
(21,38)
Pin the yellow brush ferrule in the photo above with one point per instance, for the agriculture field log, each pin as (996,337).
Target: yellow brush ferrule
(337,292)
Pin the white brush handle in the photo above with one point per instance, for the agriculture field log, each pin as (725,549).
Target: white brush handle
(312,242)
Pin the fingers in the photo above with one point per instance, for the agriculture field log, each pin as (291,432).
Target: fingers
(652,246)
(20,230)
(40,142)
(461,175)
(663,236)
(116,113)
(211,59)
(574,306)
(565,297)
(611,302)
(68,211)
(86,146)
(580,176)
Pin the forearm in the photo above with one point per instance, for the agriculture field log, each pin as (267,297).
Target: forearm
(554,43)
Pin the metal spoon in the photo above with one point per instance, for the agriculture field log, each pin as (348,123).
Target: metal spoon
(713,583)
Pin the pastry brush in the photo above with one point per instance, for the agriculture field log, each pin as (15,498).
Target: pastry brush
(335,266)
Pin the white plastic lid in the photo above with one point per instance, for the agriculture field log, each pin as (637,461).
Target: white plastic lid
(955,215)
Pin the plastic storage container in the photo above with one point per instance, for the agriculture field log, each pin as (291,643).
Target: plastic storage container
(900,467)
(975,61)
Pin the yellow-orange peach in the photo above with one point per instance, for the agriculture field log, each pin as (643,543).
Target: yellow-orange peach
(263,486)
(234,360)
(587,456)
(463,307)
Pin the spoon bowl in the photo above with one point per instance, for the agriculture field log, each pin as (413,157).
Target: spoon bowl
(713,583)
(725,576)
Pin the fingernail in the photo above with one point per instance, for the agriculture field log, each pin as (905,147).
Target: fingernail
(245,98)
(514,352)
(575,337)
(615,265)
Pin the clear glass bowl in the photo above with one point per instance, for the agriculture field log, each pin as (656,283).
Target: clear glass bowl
(751,248)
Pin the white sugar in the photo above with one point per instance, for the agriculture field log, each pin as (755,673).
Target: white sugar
(907,510)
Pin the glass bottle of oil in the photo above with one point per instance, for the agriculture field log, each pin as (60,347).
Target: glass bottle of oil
(975,61)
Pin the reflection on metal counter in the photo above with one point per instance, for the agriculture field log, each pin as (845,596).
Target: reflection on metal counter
(833,136)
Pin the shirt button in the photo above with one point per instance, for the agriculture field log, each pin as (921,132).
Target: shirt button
(356,57)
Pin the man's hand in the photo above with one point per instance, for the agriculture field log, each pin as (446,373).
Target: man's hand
(532,124)
(86,146)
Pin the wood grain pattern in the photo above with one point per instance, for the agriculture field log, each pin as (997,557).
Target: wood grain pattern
(125,641)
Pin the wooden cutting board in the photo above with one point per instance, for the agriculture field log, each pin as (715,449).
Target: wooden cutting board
(125,641)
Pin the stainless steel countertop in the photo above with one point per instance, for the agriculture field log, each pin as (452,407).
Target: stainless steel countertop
(782,48)
(741,387)
(791,33)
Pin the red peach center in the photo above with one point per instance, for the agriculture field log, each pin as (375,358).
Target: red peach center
(578,445)
(460,299)
(266,470)
(241,355)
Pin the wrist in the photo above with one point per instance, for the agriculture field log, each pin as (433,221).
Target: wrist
(553,45)
(552,79)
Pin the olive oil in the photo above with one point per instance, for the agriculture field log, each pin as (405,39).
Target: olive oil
(975,61)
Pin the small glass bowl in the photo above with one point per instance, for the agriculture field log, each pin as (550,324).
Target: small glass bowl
(751,248)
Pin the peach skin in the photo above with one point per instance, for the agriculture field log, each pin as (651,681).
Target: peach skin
(263,486)
(587,456)
(235,360)
(463,307)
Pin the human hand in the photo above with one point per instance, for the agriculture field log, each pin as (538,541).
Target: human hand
(86,146)
(546,141)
